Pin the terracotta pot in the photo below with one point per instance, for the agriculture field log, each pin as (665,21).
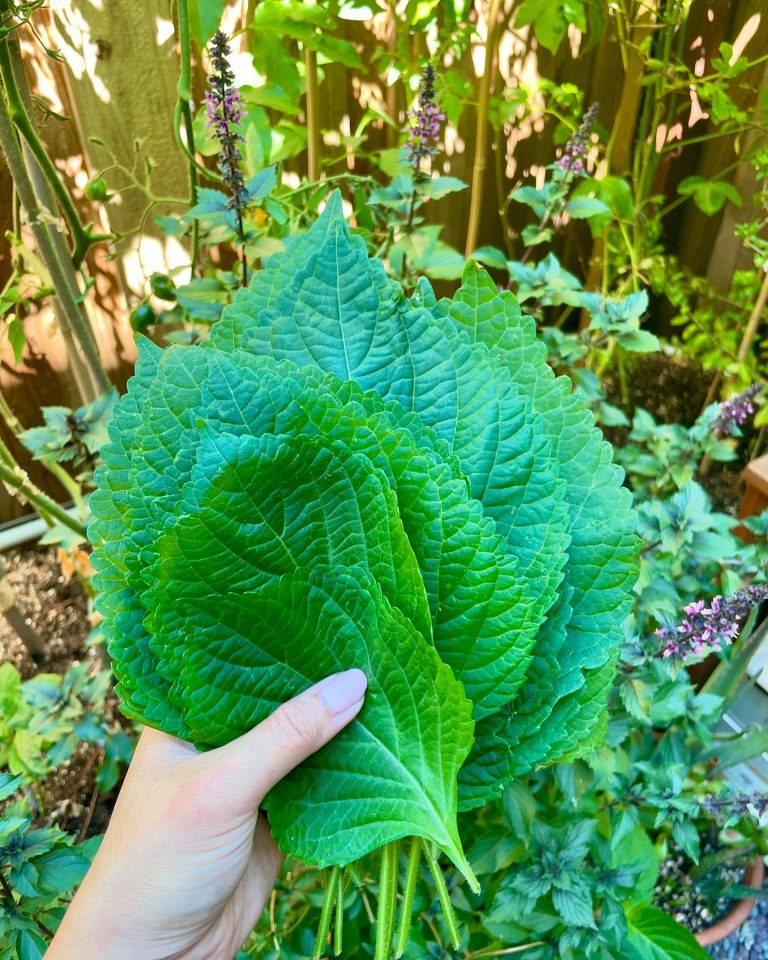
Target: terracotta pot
(737,916)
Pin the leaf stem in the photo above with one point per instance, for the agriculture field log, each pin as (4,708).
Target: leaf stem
(506,952)
(325,915)
(17,479)
(411,875)
(445,899)
(385,915)
(338,926)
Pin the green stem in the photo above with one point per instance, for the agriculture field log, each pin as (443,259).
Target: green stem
(17,479)
(72,320)
(445,899)
(387,901)
(82,237)
(481,131)
(746,747)
(325,915)
(184,90)
(338,925)
(184,85)
(411,876)
(54,469)
(189,132)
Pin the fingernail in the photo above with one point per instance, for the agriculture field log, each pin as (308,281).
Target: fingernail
(343,690)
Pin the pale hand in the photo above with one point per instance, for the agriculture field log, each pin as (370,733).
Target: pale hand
(188,863)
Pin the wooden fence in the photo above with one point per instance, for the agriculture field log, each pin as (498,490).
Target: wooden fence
(118,83)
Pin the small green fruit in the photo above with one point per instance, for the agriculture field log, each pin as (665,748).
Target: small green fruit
(141,317)
(96,189)
(163,287)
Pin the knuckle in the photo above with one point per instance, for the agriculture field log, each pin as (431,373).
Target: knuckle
(297,723)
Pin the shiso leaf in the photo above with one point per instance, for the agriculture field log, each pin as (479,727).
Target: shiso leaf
(392,772)
(323,303)
(484,616)
(602,549)
(116,560)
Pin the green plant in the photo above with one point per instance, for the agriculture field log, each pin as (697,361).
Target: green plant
(39,868)
(662,458)
(352,567)
(43,720)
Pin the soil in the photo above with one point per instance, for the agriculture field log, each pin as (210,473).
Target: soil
(695,906)
(56,607)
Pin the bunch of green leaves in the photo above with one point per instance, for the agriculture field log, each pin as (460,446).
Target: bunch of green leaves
(341,476)
(398,231)
(691,551)
(43,721)
(614,325)
(39,869)
(563,195)
(550,21)
(201,299)
(661,458)
(712,323)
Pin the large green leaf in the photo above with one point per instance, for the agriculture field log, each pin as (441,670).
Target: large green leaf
(391,773)
(602,547)
(654,935)
(324,303)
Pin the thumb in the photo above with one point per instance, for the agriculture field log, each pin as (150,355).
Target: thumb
(260,758)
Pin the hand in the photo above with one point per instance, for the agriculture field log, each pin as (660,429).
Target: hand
(187,862)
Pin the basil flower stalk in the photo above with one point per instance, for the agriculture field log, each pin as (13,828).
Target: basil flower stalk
(224,110)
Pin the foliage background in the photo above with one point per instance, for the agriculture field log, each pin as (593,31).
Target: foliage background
(667,114)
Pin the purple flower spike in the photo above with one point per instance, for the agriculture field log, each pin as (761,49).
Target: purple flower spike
(224,110)
(736,806)
(735,412)
(575,152)
(426,118)
(706,629)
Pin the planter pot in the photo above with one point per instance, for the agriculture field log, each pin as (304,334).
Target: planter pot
(737,916)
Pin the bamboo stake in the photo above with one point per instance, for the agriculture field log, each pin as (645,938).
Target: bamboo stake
(93,379)
(313,118)
(481,130)
(15,618)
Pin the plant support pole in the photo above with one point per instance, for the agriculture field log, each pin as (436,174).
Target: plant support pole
(81,236)
(47,199)
(184,114)
(481,130)
(313,118)
(72,319)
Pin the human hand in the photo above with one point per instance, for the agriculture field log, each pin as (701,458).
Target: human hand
(187,862)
